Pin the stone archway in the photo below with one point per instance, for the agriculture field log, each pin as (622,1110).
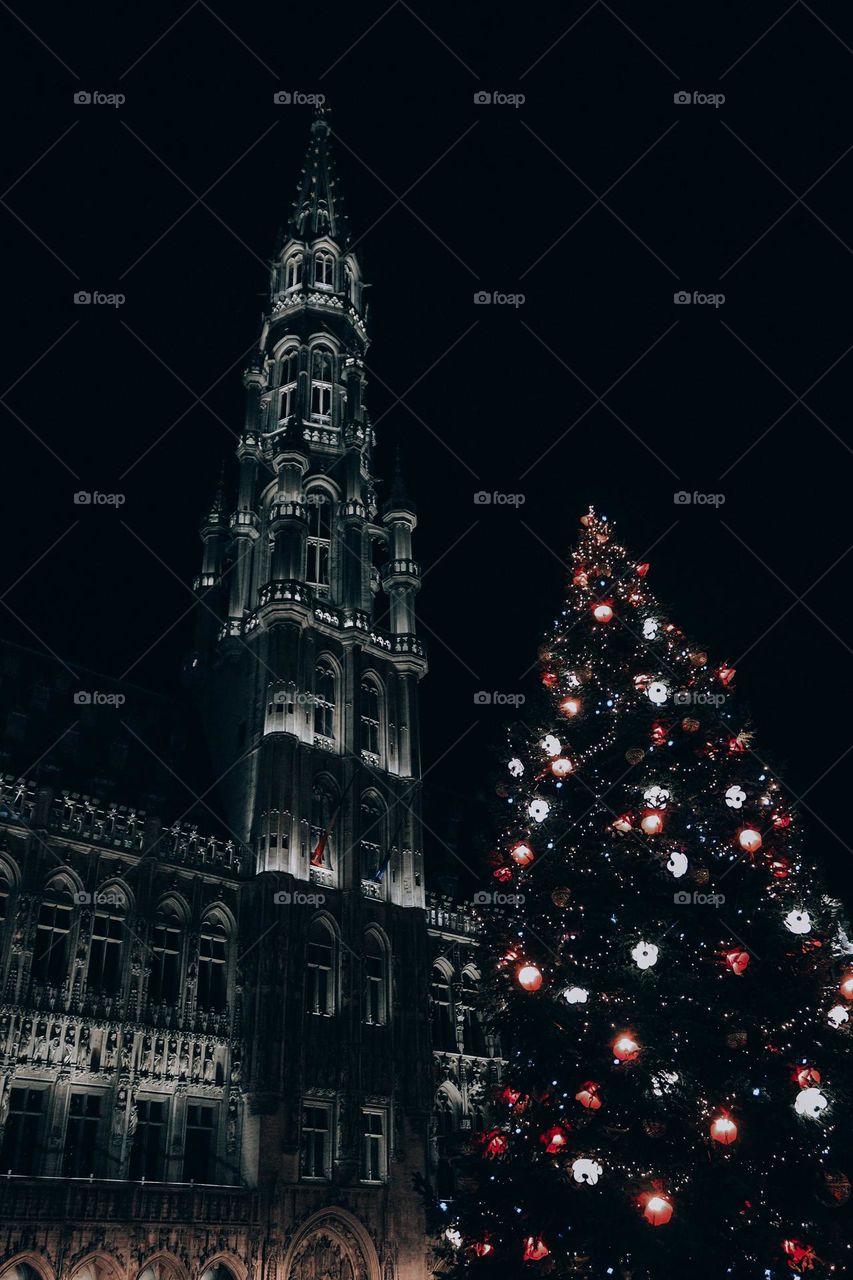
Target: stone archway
(331,1245)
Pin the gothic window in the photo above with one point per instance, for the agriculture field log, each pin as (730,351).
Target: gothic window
(443,1036)
(322,369)
(473,1037)
(81,1135)
(23,1271)
(198,1143)
(445,1123)
(104,971)
(324,269)
(293,271)
(148,1154)
(373,1152)
(320,972)
(370,720)
(164,984)
(319,538)
(212,966)
(21,1135)
(375,980)
(50,955)
(316,1152)
(325,687)
(323,805)
(288,379)
(372,843)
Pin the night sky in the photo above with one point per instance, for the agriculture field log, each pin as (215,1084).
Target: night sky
(597,199)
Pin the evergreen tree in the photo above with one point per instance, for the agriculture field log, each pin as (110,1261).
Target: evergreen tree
(671,983)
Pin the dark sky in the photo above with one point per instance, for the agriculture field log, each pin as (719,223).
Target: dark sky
(597,199)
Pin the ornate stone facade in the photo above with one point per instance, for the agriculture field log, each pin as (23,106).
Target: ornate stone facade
(221,1058)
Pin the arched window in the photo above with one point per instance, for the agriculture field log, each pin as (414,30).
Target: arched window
(319,538)
(322,374)
(164,983)
(375,980)
(325,693)
(473,1037)
(161,1269)
(218,1271)
(324,802)
(372,843)
(293,271)
(371,737)
(324,269)
(212,965)
(445,1123)
(288,379)
(50,955)
(443,1035)
(22,1271)
(320,970)
(94,1269)
(104,972)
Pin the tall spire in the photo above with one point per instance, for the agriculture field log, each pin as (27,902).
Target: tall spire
(317,210)
(399,498)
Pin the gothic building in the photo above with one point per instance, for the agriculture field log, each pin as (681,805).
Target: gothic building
(233,1057)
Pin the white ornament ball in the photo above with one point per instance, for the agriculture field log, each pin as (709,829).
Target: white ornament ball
(810,1102)
(650,628)
(575,995)
(658,797)
(538,810)
(677,865)
(515,767)
(663,1082)
(588,1171)
(838,1016)
(645,954)
(735,797)
(551,745)
(657,692)
(798,921)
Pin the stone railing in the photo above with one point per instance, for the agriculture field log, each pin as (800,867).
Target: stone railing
(83,1200)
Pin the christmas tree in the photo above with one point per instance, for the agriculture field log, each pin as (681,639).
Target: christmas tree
(671,982)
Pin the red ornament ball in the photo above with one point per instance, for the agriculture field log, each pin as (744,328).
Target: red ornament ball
(723,1130)
(530,977)
(625,1048)
(522,854)
(657,1209)
(603,613)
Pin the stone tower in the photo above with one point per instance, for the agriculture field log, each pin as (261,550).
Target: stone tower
(308,666)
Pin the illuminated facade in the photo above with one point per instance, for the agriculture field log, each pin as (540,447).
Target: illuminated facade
(230,1058)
